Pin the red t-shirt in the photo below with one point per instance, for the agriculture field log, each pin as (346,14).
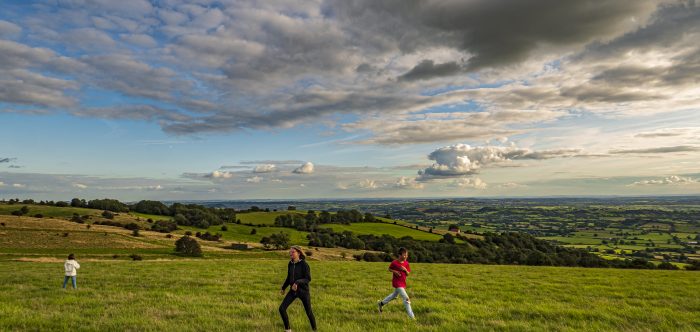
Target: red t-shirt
(397,282)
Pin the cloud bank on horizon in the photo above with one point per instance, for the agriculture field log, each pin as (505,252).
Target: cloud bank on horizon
(477,97)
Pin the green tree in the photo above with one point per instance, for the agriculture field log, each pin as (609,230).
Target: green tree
(187,246)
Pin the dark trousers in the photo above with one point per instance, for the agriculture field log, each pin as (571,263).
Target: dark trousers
(305,298)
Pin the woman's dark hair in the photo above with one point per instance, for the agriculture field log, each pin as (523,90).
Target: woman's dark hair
(402,250)
(71,256)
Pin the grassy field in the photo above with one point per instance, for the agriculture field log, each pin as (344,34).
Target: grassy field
(382,228)
(242,295)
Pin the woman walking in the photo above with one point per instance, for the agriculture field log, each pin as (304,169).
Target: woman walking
(298,277)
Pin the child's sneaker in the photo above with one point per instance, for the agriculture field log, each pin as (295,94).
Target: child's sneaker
(380,305)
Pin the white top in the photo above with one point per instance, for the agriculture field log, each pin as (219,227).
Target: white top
(71,267)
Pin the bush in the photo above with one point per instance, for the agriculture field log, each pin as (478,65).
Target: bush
(135,232)
(253,231)
(164,226)
(17,213)
(136,257)
(2,224)
(309,253)
(224,228)
(107,214)
(188,233)
(115,256)
(132,226)
(38,215)
(187,246)
(169,236)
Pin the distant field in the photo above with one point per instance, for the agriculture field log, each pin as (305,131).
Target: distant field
(48,211)
(241,233)
(242,295)
(384,228)
(264,218)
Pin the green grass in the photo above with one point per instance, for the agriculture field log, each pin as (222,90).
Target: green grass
(384,228)
(48,211)
(241,233)
(242,295)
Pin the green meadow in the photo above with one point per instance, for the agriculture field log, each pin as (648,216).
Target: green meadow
(242,295)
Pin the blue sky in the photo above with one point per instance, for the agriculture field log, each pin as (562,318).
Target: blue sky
(333,99)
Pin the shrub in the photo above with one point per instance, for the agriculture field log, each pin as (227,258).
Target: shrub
(169,236)
(309,253)
(107,214)
(132,226)
(2,224)
(38,215)
(135,232)
(224,228)
(115,256)
(164,226)
(187,246)
(188,233)
(65,234)
(88,226)
(136,257)
(253,231)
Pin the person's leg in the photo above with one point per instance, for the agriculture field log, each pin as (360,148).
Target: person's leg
(391,296)
(75,282)
(65,281)
(305,298)
(406,302)
(283,308)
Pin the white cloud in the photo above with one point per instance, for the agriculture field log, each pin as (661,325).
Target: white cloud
(669,180)
(79,186)
(475,183)
(408,183)
(306,168)
(2,183)
(463,159)
(154,188)
(368,184)
(19,185)
(219,175)
(265,168)
(511,185)
(9,29)
(255,179)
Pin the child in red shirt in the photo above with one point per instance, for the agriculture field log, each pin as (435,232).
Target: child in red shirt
(400,270)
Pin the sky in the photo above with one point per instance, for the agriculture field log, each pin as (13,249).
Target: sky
(304,99)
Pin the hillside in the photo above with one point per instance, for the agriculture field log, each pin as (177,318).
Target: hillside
(242,295)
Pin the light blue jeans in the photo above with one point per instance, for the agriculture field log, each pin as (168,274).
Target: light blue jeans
(73,278)
(406,301)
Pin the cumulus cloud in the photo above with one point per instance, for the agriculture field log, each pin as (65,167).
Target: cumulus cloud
(306,168)
(265,168)
(368,184)
(79,186)
(255,179)
(408,183)
(669,180)
(474,183)
(462,159)
(219,175)
(19,185)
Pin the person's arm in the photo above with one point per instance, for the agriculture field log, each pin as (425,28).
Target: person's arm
(286,280)
(307,275)
(393,270)
(77,265)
